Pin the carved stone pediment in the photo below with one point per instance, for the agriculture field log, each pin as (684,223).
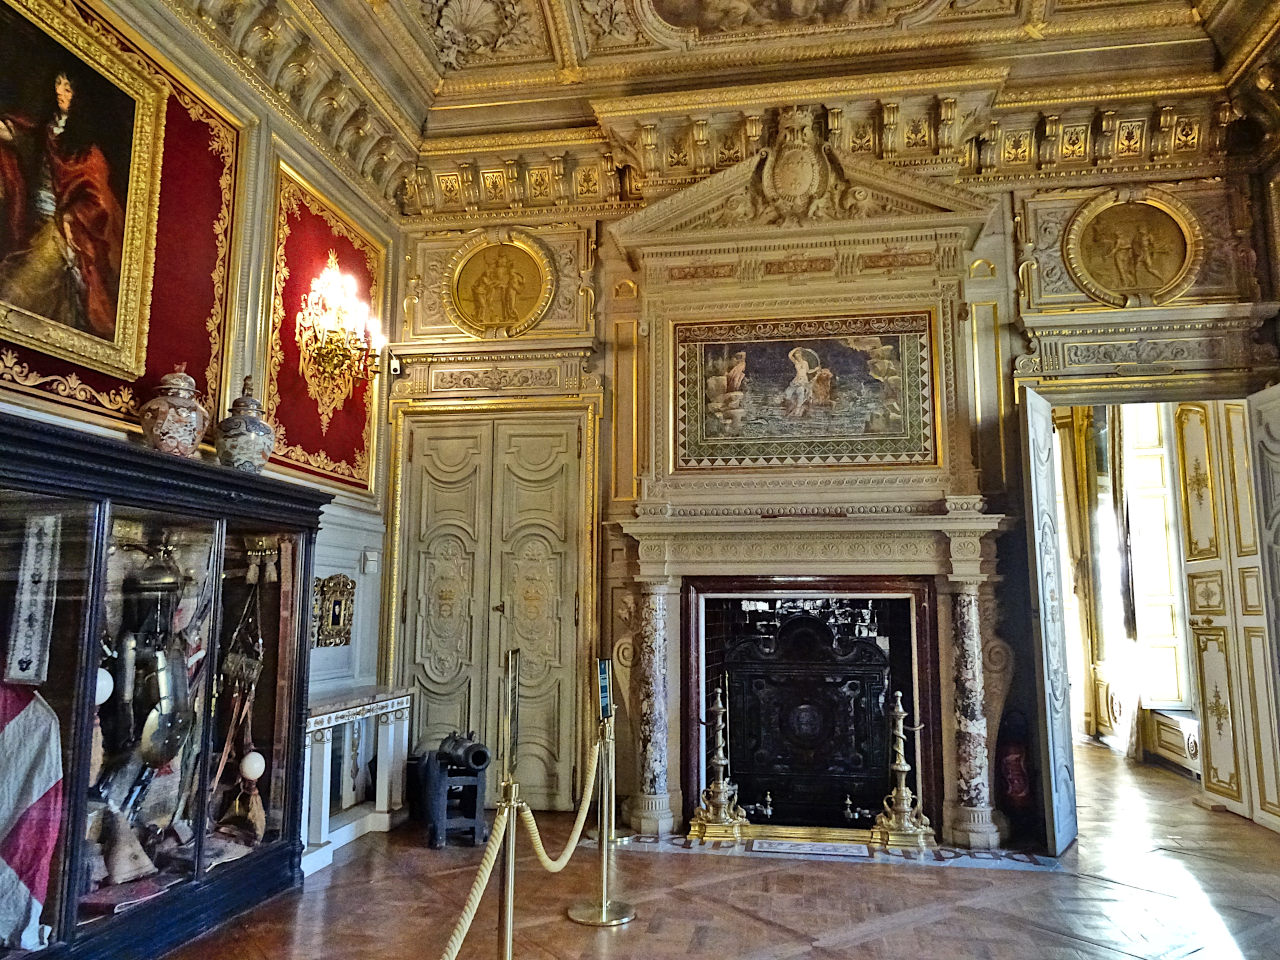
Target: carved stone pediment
(802,182)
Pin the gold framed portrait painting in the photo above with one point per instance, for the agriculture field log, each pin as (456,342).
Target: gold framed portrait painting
(81,128)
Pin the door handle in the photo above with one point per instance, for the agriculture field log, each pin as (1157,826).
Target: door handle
(500,607)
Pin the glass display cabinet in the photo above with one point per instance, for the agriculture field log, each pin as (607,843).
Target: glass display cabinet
(154,650)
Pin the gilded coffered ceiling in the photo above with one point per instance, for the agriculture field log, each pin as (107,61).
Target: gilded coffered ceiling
(523,63)
(676,88)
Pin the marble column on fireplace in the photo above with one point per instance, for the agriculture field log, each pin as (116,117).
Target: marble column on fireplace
(969,817)
(971,821)
(651,808)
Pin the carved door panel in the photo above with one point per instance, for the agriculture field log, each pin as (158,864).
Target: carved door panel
(448,496)
(1057,762)
(493,513)
(1261,654)
(534,574)
(1211,606)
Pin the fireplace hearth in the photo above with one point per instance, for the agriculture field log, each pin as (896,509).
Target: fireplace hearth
(809,676)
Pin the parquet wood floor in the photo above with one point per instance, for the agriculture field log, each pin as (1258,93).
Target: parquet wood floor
(1151,877)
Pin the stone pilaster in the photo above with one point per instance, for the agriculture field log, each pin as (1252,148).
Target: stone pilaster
(651,807)
(970,822)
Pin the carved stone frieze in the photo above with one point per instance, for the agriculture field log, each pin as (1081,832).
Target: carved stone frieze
(1150,343)
(437,375)
(809,16)
(610,24)
(801,178)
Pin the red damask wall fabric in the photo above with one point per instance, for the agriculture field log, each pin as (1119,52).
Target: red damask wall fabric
(307,230)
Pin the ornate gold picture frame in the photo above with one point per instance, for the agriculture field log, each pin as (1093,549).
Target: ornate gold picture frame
(334,610)
(76,248)
(1133,247)
(827,391)
(499,285)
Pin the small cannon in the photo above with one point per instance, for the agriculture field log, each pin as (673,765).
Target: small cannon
(459,751)
(455,789)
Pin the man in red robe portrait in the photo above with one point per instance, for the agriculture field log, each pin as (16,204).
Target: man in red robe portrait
(62,233)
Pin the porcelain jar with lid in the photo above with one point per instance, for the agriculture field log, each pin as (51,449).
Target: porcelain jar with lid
(173,421)
(244,440)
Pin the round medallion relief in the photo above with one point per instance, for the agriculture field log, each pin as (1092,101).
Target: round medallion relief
(1134,249)
(499,288)
(499,285)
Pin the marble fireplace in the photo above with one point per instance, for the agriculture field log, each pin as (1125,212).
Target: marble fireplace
(939,557)
(807,667)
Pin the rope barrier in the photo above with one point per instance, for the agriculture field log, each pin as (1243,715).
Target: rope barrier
(526,816)
(477,887)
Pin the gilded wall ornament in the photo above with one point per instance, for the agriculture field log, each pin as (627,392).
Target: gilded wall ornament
(1134,247)
(499,287)
(334,610)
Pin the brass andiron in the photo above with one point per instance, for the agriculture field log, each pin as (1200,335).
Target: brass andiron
(718,816)
(903,823)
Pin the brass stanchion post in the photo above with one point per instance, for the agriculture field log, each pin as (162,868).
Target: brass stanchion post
(606,912)
(510,802)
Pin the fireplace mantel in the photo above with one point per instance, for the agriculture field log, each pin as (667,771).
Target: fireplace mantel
(676,542)
(951,540)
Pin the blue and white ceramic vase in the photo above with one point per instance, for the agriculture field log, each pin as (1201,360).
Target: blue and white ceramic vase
(245,440)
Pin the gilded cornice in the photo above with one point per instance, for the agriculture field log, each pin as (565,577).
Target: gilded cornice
(1096,176)
(946,79)
(1144,88)
(361,79)
(511,142)
(533,216)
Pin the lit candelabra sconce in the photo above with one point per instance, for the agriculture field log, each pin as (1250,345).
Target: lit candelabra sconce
(338,342)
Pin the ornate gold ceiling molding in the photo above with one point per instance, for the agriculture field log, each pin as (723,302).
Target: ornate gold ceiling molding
(320,90)
(394,21)
(1143,88)
(1002,181)
(629,64)
(570,213)
(1265,26)
(948,79)
(505,142)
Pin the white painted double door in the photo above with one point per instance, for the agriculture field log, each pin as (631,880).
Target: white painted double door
(494,514)
(1238,693)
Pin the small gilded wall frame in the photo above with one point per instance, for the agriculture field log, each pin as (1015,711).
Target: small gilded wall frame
(76,259)
(1134,247)
(333,610)
(499,286)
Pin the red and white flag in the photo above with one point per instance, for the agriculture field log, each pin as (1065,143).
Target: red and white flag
(30,812)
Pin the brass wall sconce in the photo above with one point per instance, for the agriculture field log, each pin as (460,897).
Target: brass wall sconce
(338,342)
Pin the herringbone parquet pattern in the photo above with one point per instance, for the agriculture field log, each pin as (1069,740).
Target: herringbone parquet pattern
(1152,877)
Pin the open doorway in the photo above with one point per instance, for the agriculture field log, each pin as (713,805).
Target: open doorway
(1124,609)
(1167,645)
